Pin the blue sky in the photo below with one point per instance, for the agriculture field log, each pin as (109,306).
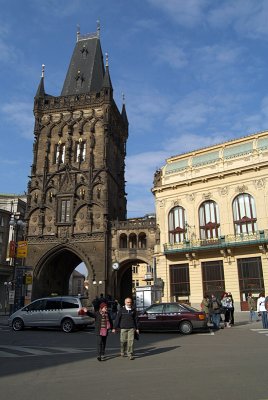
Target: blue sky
(194,73)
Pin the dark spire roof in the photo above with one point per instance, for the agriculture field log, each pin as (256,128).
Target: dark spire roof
(86,70)
(107,80)
(123,112)
(41,88)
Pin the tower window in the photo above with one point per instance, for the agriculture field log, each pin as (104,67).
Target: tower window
(65,210)
(59,153)
(80,154)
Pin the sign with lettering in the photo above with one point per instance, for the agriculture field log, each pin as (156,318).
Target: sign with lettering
(22,249)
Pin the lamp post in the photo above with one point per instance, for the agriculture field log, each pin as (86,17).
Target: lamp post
(15,224)
(8,286)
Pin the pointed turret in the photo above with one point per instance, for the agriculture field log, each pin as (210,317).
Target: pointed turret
(123,112)
(41,88)
(107,84)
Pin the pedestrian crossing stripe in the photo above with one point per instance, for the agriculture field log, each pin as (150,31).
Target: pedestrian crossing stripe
(23,351)
(260,330)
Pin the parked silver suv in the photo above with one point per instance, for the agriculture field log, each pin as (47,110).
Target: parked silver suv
(66,312)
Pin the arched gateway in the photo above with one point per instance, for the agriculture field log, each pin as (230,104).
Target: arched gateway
(77,184)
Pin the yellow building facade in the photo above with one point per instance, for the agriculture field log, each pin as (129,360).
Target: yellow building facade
(212,215)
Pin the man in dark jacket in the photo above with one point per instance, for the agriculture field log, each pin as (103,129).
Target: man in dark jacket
(126,320)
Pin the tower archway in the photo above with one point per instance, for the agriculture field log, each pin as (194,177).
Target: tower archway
(52,273)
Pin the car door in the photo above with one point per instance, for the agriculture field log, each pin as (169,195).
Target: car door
(171,316)
(52,312)
(32,314)
(151,318)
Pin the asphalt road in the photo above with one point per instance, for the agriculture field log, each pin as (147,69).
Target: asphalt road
(48,364)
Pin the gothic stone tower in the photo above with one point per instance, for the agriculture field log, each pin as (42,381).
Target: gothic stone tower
(77,184)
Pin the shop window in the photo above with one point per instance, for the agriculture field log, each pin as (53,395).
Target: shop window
(250,276)
(209,220)
(179,281)
(177,225)
(244,214)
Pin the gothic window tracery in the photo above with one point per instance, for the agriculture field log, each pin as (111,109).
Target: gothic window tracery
(64,215)
(80,154)
(59,157)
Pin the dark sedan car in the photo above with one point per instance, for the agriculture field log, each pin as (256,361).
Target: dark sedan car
(172,317)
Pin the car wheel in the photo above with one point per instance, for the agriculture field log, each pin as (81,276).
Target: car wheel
(67,325)
(17,324)
(185,327)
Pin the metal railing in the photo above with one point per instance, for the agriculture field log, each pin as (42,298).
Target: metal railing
(221,242)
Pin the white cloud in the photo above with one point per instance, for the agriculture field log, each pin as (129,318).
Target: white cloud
(145,105)
(190,112)
(8,53)
(186,13)
(218,54)
(247,17)
(169,53)
(140,167)
(20,114)
(58,8)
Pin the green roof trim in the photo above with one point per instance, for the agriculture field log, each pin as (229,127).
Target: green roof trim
(176,166)
(262,143)
(206,158)
(238,150)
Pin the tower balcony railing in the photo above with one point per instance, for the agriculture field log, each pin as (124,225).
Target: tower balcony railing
(222,242)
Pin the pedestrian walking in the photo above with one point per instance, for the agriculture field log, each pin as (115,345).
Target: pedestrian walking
(205,306)
(215,311)
(126,321)
(252,306)
(230,301)
(261,310)
(227,306)
(103,323)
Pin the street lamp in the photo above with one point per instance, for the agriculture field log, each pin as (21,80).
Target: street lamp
(15,223)
(8,286)
(97,284)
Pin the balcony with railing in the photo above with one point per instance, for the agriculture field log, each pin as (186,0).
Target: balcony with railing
(223,242)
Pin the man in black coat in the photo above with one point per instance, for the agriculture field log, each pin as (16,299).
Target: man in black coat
(126,321)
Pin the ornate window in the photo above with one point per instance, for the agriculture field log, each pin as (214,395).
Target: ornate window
(244,214)
(80,153)
(65,210)
(59,153)
(177,225)
(209,220)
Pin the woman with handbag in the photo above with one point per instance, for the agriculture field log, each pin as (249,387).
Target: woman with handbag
(103,323)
